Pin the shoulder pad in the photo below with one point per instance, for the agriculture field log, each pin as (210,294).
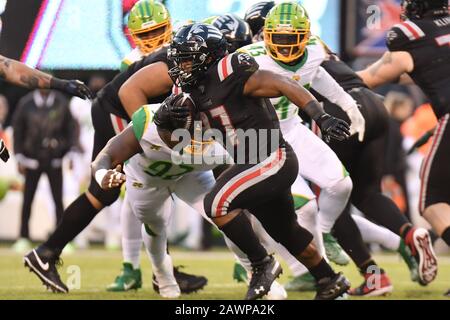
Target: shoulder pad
(236,63)
(402,34)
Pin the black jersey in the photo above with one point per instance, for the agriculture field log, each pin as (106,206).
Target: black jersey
(343,74)
(428,42)
(219,95)
(109,96)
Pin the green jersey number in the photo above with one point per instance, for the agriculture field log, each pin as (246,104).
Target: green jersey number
(255,51)
(161,169)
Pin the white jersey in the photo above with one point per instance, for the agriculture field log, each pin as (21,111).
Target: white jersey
(307,72)
(159,165)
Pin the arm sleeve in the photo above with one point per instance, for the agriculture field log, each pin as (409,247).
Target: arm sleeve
(326,86)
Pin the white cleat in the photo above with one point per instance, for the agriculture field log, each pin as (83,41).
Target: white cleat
(168,286)
(277,292)
(170,291)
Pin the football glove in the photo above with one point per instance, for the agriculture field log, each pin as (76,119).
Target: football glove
(170,114)
(72,87)
(332,127)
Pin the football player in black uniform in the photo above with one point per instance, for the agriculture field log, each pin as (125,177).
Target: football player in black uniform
(232,93)
(362,160)
(20,74)
(420,47)
(109,117)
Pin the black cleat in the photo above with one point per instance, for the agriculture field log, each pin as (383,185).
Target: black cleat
(263,275)
(43,262)
(188,283)
(447,294)
(332,288)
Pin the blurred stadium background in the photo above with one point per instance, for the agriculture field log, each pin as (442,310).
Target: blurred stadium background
(82,39)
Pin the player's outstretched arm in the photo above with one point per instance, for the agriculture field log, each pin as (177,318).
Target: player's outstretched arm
(388,69)
(149,82)
(20,74)
(267,84)
(107,166)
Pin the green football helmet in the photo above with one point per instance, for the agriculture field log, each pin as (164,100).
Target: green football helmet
(149,25)
(286,31)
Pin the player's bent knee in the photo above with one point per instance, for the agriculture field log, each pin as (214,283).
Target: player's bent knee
(343,187)
(308,211)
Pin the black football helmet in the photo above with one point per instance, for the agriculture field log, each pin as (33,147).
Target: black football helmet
(418,9)
(256,16)
(195,47)
(236,31)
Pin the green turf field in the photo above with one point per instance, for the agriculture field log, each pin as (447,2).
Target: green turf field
(99,267)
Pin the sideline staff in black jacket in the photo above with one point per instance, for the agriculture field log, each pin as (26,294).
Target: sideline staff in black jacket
(44,131)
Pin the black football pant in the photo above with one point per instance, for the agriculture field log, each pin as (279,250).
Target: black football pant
(32,177)
(264,189)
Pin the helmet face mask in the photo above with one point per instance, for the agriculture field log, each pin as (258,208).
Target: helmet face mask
(190,64)
(193,50)
(287,32)
(149,25)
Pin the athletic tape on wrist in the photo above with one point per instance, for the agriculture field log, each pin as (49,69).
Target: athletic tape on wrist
(99,175)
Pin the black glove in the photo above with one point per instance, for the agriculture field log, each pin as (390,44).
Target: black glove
(71,87)
(4,154)
(170,115)
(332,127)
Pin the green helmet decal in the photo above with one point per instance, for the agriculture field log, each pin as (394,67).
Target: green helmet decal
(287,15)
(147,13)
(286,31)
(149,25)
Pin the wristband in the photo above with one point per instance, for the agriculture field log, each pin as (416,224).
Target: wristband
(314,109)
(56,83)
(99,175)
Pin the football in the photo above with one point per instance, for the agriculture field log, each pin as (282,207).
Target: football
(183,111)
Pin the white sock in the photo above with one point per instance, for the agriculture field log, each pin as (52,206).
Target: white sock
(373,233)
(332,202)
(131,235)
(156,247)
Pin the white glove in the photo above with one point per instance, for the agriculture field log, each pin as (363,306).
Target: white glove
(358,123)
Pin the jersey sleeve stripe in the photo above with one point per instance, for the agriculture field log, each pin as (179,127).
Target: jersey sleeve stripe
(406,31)
(224,67)
(416,29)
(411,30)
(118,123)
(141,120)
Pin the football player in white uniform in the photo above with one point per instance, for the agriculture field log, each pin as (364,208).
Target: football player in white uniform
(153,173)
(289,50)
(150,28)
